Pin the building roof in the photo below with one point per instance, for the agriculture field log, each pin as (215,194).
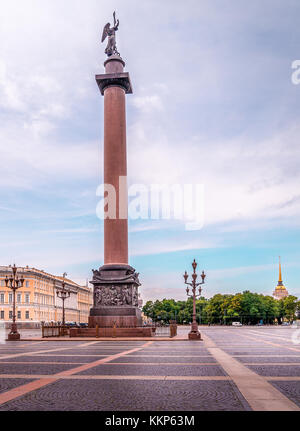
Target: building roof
(40,272)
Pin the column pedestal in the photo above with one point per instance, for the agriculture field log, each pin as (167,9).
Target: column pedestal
(115,297)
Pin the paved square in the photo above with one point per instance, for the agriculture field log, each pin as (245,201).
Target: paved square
(236,369)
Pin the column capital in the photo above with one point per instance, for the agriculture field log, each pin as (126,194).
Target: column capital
(114,80)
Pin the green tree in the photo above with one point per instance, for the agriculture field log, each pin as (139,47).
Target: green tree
(288,307)
(247,306)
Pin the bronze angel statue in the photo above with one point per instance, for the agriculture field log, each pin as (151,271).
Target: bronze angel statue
(109,31)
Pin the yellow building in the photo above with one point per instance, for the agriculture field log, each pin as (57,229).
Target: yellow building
(38,302)
(280,290)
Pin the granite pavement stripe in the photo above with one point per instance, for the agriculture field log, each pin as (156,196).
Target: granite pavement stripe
(130,356)
(121,363)
(29,387)
(291,389)
(88,343)
(268,356)
(45,363)
(265,334)
(164,363)
(171,356)
(11,383)
(258,392)
(282,346)
(64,355)
(153,370)
(111,377)
(267,364)
(13,355)
(31,344)
(24,389)
(285,378)
(116,377)
(275,370)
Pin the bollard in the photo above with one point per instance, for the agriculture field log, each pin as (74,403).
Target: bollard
(173,329)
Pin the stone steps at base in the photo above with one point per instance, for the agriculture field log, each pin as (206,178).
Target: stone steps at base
(111,332)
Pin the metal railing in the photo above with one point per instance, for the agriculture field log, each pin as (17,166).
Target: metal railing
(165,330)
(54,330)
(158,330)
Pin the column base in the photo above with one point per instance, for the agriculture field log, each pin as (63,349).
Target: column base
(13,337)
(115,316)
(195,336)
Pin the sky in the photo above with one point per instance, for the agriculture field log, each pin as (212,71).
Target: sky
(213,104)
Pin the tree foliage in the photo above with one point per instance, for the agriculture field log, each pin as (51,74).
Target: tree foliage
(247,307)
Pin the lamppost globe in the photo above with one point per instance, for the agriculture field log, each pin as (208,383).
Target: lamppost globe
(185,276)
(194,265)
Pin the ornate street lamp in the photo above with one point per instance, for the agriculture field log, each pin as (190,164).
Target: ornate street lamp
(194,334)
(14,283)
(63,294)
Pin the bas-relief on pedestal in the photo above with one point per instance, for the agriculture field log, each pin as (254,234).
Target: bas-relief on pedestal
(115,296)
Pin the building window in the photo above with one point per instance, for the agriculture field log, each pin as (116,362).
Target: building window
(10,314)
(10,298)
(27,315)
(27,283)
(19,314)
(19,297)
(2,314)
(2,298)
(27,298)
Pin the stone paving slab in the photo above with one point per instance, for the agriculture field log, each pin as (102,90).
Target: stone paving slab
(290,389)
(276,370)
(160,359)
(111,395)
(137,382)
(252,359)
(7,384)
(259,352)
(152,370)
(13,351)
(171,353)
(15,368)
(99,352)
(36,358)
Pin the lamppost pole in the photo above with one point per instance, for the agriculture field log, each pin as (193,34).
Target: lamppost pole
(194,334)
(14,283)
(63,294)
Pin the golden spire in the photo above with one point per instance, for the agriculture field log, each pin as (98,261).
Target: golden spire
(280,276)
(280,289)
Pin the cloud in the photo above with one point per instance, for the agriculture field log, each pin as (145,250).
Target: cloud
(244,179)
(72,231)
(148,103)
(170,245)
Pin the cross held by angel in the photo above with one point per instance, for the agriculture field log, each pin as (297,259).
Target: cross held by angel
(110,32)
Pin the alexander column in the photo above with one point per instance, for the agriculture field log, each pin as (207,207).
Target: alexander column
(115,283)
